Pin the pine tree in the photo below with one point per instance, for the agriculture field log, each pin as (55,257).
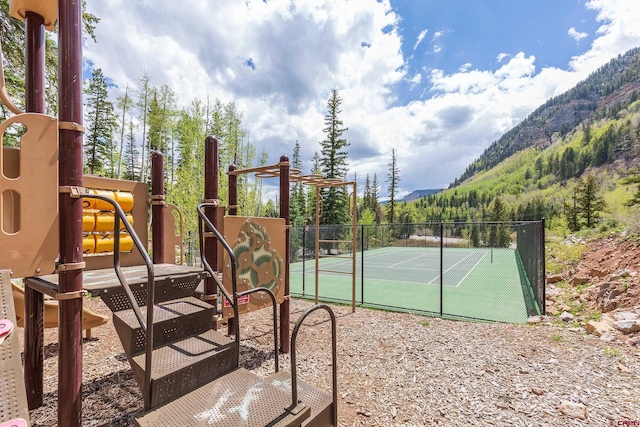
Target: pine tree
(298,211)
(333,162)
(101,123)
(633,178)
(393,177)
(498,233)
(571,214)
(131,155)
(590,203)
(311,194)
(375,202)
(13,42)
(366,200)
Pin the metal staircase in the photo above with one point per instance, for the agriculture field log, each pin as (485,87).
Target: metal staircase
(194,377)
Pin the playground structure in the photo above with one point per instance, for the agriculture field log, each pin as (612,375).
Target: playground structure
(70,235)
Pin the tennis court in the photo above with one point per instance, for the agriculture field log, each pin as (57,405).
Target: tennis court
(473,283)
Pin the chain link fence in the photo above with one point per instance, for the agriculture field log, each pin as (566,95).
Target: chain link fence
(471,270)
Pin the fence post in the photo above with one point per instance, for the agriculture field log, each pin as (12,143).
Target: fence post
(441,264)
(304,251)
(362,264)
(543,272)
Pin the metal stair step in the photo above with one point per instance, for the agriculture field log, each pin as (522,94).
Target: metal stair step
(320,402)
(173,320)
(239,398)
(182,366)
(167,288)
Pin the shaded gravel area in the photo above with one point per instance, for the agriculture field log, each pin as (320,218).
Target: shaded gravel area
(400,369)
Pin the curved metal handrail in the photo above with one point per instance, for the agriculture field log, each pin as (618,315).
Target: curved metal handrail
(147,326)
(294,376)
(233,298)
(275,317)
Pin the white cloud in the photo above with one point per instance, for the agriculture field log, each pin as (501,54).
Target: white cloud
(420,38)
(619,31)
(576,35)
(302,50)
(502,56)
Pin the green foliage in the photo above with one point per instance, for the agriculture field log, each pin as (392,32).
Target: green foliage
(633,178)
(613,352)
(393,177)
(498,233)
(333,163)
(298,211)
(13,43)
(557,337)
(101,123)
(548,120)
(590,203)
(562,254)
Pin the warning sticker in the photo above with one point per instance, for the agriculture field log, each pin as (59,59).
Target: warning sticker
(242,300)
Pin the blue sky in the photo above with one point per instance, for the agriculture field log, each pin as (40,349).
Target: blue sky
(436,80)
(449,34)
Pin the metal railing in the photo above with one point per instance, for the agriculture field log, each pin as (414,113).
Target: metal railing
(233,298)
(147,326)
(275,318)
(334,366)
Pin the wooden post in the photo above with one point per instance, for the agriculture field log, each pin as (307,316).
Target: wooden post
(233,210)
(70,166)
(157,200)
(34,300)
(284,213)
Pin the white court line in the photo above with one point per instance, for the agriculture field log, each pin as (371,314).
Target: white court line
(407,260)
(472,253)
(389,280)
(340,261)
(472,268)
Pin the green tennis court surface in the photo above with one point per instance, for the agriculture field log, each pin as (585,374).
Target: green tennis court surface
(477,283)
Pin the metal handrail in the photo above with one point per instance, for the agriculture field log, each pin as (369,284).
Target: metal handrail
(275,317)
(294,376)
(147,326)
(233,298)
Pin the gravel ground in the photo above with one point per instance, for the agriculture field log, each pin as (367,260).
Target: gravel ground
(398,369)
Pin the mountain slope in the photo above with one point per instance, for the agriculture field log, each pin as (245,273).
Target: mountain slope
(606,89)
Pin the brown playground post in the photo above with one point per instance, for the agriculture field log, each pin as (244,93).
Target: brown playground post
(70,166)
(233,210)
(211,196)
(34,300)
(284,213)
(157,204)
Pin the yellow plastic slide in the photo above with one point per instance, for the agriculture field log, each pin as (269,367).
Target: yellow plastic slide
(89,318)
